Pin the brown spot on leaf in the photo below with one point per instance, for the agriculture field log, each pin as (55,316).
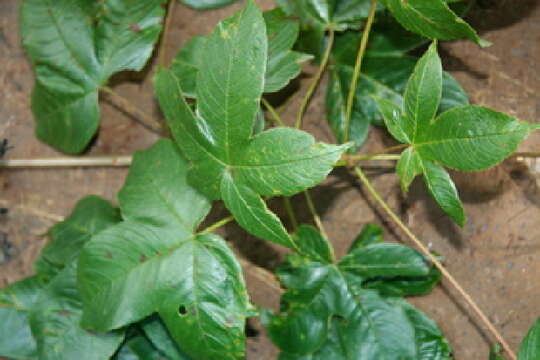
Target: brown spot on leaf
(108,254)
(143,258)
(135,28)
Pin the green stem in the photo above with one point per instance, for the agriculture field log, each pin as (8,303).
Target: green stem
(316,79)
(357,67)
(425,250)
(275,116)
(217,225)
(526,154)
(290,213)
(314,213)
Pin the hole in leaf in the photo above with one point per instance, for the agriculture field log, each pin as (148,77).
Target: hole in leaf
(182,310)
(250,330)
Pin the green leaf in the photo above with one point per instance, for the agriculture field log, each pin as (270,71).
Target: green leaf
(55,319)
(430,342)
(151,263)
(282,64)
(206,4)
(405,286)
(530,346)
(16,302)
(156,191)
(336,14)
(423,93)
(443,190)
(384,260)
(252,213)
(75,47)
(470,138)
(327,314)
(138,348)
(464,138)
(393,119)
(157,333)
(432,19)
(90,216)
(453,94)
(385,71)
(314,245)
(228,163)
(186,64)
(371,234)
(408,167)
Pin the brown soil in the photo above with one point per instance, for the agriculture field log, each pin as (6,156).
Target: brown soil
(495,256)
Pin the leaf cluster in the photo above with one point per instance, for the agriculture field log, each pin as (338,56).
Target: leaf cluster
(141,281)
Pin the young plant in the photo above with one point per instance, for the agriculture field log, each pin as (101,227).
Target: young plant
(143,281)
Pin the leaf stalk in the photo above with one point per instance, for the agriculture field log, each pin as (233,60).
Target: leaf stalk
(357,67)
(316,79)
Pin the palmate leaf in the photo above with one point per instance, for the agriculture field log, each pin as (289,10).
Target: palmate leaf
(530,346)
(154,262)
(90,216)
(206,4)
(432,19)
(75,46)
(464,138)
(384,74)
(329,314)
(282,64)
(228,163)
(55,322)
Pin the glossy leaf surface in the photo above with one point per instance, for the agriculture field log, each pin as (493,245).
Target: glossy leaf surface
(75,47)
(228,163)
(151,263)
(313,244)
(16,302)
(328,314)
(90,216)
(432,19)
(206,4)
(55,322)
(159,336)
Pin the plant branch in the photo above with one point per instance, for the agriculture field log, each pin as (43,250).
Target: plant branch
(290,213)
(87,161)
(275,116)
(140,116)
(436,262)
(316,79)
(217,225)
(526,154)
(163,46)
(378,153)
(314,213)
(357,67)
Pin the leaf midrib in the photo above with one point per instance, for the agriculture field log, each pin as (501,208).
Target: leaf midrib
(457,139)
